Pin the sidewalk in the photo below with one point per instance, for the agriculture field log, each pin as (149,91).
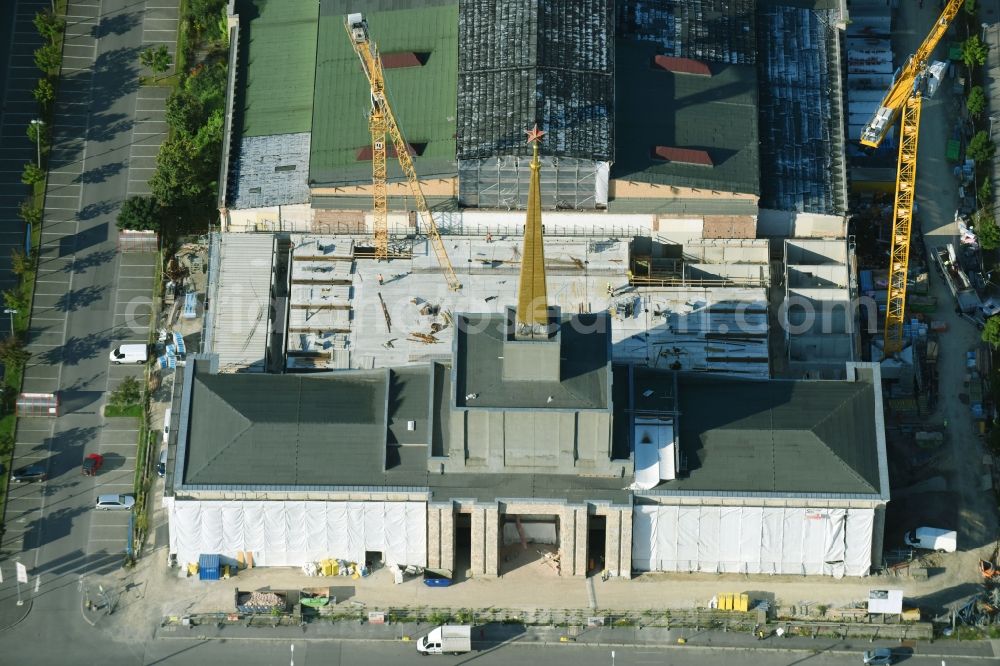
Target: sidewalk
(489,636)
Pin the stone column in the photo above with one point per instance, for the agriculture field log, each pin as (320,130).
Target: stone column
(433,537)
(491,547)
(612,542)
(625,553)
(448,537)
(580,561)
(478,559)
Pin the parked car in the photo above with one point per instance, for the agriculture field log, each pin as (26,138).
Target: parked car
(166,425)
(932,538)
(115,502)
(129,354)
(161,466)
(878,657)
(92,463)
(28,473)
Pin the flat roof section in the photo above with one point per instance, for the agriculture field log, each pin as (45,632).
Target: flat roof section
(716,114)
(277,64)
(423,98)
(240,302)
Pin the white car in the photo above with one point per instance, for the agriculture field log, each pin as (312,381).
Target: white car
(129,354)
(115,502)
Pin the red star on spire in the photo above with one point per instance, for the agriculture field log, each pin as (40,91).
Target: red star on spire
(534,134)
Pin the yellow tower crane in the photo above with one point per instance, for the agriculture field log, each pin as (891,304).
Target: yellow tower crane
(382,121)
(903,99)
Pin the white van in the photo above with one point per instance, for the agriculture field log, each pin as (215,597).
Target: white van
(129,354)
(447,639)
(166,426)
(932,538)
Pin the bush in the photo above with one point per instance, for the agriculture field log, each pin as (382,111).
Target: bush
(38,133)
(974,52)
(47,58)
(48,24)
(976,101)
(986,229)
(139,213)
(991,332)
(44,92)
(29,212)
(13,351)
(129,392)
(984,195)
(157,59)
(184,112)
(20,263)
(981,148)
(179,177)
(32,174)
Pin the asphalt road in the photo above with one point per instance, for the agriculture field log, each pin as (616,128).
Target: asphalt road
(77,315)
(197,652)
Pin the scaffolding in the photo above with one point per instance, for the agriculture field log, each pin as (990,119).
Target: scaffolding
(708,30)
(523,62)
(801,122)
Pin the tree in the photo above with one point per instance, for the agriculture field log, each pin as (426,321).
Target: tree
(129,392)
(20,263)
(157,59)
(970,7)
(203,14)
(12,351)
(981,147)
(976,101)
(39,132)
(48,24)
(984,195)
(47,58)
(991,332)
(184,112)
(17,297)
(208,140)
(974,52)
(32,174)
(29,212)
(139,213)
(986,228)
(178,177)
(44,92)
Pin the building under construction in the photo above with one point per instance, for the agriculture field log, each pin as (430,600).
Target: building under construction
(672,108)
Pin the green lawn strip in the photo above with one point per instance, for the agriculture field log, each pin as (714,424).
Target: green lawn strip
(117,411)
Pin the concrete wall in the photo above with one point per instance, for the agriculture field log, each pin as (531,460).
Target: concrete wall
(813,252)
(726,251)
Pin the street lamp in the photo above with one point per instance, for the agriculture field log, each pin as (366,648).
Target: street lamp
(38,138)
(10,312)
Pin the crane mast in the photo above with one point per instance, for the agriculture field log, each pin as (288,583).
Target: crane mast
(382,121)
(903,99)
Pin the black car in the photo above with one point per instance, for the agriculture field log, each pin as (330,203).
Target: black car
(34,472)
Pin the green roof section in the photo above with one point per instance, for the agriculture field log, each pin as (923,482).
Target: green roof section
(278,61)
(654,107)
(422,98)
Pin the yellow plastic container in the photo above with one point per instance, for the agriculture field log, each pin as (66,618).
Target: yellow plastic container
(726,602)
(742,602)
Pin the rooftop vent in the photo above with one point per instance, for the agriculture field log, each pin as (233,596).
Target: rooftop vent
(681,65)
(682,155)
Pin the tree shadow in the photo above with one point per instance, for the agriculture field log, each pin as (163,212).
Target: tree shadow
(106,127)
(101,173)
(79,298)
(118,24)
(76,349)
(90,211)
(91,260)
(116,74)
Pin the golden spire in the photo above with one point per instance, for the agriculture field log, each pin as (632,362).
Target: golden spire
(532,318)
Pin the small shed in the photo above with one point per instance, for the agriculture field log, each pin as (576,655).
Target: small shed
(209,567)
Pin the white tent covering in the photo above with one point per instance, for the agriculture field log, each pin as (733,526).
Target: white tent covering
(752,539)
(293,533)
(655,453)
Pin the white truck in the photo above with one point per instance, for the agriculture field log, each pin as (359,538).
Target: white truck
(932,538)
(446,639)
